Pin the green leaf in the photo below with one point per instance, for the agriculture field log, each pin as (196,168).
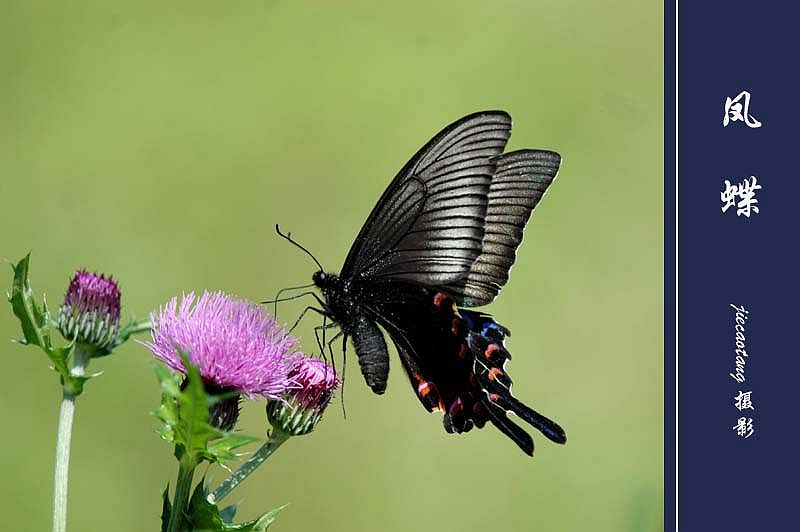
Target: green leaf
(228,513)
(221,450)
(169,380)
(193,430)
(168,410)
(60,357)
(166,510)
(202,514)
(35,321)
(75,383)
(206,516)
(262,523)
(184,412)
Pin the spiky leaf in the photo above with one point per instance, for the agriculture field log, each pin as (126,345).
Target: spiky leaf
(34,320)
(222,449)
(228,513)
(206,516)
(166,510)
(185,413)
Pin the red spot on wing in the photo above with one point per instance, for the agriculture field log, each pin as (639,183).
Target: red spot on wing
(439,407)
(456,407)
(439,298)
(494,373)
(428,394)
(424,388)
(491,350)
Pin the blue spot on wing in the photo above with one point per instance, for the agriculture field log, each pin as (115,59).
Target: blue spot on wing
(484,325)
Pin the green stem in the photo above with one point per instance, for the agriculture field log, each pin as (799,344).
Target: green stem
(138,327)
(182,488)
(275,440)
(61,477)
(64,439)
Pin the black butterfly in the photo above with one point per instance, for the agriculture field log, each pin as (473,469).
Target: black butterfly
(444,236)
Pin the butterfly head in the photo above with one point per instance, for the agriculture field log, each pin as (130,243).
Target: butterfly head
(333,290)
(324,280)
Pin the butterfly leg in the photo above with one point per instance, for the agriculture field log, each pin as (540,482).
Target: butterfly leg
(278,297)
(344,359)
(320,311)
(321,343)
(330,343)
(344,369)
(338,335)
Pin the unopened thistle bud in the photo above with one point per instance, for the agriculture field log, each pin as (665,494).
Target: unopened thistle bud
(301,407)
(90,313)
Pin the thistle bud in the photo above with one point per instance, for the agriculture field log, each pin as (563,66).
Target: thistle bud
(90,313)
(300,408)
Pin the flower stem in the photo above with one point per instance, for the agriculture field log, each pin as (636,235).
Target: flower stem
(62,462)
(276,438)
(183,486)
(63,440)
(139,326)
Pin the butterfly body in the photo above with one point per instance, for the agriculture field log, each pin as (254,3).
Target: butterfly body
(345,304)
(441,238)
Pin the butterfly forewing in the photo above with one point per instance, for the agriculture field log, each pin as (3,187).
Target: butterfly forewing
(428,226)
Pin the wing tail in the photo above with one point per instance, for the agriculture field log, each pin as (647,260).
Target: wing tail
(500,420)
(490,354)
(546,426)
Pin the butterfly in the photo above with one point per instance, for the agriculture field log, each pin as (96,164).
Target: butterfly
(442,239)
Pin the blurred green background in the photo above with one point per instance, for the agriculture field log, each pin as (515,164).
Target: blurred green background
(161,142)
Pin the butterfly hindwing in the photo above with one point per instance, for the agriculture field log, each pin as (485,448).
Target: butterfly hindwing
(520,181)
(455,360)
(430,338)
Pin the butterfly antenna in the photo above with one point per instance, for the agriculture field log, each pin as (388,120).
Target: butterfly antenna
(288,236)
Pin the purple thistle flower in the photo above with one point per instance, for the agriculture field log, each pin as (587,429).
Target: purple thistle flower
(301,408)
(90,313)
(236,344)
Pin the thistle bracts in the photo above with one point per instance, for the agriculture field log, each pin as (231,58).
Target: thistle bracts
(301,407)
(91,310)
